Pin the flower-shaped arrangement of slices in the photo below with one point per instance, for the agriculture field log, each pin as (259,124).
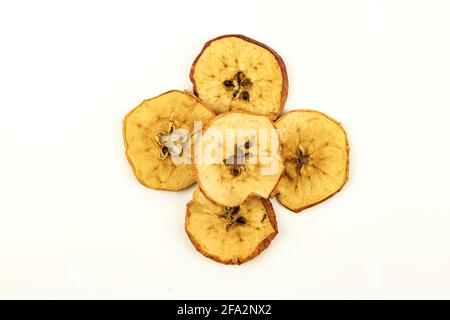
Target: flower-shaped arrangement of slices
(230,137)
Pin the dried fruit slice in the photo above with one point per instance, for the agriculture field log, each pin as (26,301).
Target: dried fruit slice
(234,72)
(230,235)
(315,152)
(158,131)
(238,155)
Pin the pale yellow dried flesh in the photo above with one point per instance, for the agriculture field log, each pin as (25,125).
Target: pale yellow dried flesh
(324,141)
(222,59)
(209,232)
(152,116)
(259,178)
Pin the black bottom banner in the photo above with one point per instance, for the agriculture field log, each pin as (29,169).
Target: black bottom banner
(216,309)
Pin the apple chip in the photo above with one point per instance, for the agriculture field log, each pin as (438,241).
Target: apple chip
(230,235)
(158,136)
(234,72)
(237,156)
(315,151)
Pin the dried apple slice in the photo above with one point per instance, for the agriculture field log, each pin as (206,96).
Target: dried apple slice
(234,72)
(237,156)
(315,151)
(230,235)
(158,131)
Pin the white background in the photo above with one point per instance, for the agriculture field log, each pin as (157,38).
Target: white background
(74,223)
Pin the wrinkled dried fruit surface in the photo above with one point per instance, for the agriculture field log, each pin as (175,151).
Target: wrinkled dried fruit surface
(315,153)
(157,130)
(228,167)
(230,235)
(237,73)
